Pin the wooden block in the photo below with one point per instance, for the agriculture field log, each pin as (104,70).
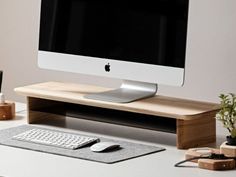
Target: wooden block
(197,132)
(210,164)
(7,110)
(227,150)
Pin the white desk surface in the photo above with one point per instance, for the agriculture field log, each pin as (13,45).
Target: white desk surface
(15,162)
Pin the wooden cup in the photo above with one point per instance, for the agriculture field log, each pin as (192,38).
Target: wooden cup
(7,110)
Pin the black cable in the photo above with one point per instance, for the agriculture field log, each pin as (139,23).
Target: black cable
(1,73)
(210,156)
(188,160)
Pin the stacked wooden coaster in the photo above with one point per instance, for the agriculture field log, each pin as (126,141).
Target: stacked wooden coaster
(213,164)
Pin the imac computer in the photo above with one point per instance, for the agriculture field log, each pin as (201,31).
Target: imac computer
(141,42)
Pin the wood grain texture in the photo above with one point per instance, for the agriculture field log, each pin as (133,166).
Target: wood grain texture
(196,132)
(7,110)
(197,152)
(35,116)
(210,164)
(228,150)
(194,120)
(159,105)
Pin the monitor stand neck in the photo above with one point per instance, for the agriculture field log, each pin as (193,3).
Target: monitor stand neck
(129,91)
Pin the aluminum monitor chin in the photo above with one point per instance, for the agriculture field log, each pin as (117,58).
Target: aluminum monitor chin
(139,42)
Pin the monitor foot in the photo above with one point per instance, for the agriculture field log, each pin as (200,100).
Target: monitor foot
(129,91)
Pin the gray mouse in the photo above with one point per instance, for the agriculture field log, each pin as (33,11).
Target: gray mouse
(104,146)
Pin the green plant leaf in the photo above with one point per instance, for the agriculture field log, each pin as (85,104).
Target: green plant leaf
(227,112)
(233,133)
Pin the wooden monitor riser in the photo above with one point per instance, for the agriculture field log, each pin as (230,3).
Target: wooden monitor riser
(192,121)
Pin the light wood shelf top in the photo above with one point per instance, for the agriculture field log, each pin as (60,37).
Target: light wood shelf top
(159,105)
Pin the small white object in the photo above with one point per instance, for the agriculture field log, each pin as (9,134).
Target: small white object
(102,146)
(55,138)
(2,98)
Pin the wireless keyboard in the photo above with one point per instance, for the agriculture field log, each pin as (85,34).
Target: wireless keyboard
(55,138)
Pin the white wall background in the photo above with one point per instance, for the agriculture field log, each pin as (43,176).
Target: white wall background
(211,53)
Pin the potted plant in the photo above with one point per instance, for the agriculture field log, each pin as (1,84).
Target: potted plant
(227,115)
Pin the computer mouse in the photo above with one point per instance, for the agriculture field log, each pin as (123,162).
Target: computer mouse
(104,146)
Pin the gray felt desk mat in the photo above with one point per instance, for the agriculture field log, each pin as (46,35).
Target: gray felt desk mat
(129,150)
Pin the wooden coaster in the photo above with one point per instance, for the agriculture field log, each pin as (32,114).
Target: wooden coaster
(210,164)
(197,152)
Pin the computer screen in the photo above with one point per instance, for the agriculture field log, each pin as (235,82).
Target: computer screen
(143,41)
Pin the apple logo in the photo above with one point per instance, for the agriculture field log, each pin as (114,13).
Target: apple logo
(107,67)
